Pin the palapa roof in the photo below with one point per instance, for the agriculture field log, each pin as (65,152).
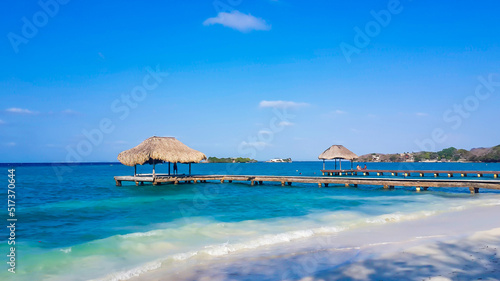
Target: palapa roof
(337,152)
(166,149)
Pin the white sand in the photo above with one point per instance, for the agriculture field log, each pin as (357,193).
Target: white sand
(472,258)
(462,245)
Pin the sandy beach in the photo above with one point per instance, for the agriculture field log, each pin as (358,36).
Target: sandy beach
(461,245)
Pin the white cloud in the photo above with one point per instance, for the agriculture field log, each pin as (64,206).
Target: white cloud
(70,112)
(422,114)
(19,110)
(282,104)
(239,21)
(256,144)
(285,124)
(335,113)
(261,132)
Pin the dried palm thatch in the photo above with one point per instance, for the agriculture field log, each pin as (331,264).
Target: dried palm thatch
(160,149)
(337,152)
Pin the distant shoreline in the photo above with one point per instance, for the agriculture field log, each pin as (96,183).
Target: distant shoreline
(319,161)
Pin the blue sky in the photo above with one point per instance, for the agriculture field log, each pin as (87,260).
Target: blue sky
(258,79)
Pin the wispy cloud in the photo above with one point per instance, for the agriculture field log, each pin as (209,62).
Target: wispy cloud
(264,132)
(282,104)
(239,21)
(256,144)
(20,110)
(286,124)
(117,143)
(70,112)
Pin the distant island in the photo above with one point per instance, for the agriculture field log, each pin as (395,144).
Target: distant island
(450,154)
(230,160)
(280,160)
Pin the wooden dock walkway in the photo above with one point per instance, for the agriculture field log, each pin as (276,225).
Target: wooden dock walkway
(388,183)
(409,173)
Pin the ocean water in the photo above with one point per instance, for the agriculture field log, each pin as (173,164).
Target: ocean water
(75,224)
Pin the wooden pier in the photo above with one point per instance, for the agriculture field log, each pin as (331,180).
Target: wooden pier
(388,183)
(409,173)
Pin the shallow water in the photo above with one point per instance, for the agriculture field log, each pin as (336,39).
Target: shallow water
(75,224)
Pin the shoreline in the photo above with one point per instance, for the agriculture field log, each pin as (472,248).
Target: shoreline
(380,251)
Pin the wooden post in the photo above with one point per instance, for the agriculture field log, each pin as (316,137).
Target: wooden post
(335,163)
(282,183)
(464,174)
(118,183)
(479,175)
(169,168)
(386,187)
(474,190)
(326,185)
(436,175)
(190,168)
(450,175)
(153,171)
(222,181)
(421,174)
(260,182)
(346,185)
(425,188)
(135,170)
(323,165)
(495,176)
(251,182)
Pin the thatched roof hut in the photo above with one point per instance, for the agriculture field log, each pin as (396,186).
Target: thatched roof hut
(158,150)
(337,152)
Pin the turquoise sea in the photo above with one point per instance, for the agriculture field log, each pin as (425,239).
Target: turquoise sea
(75,224)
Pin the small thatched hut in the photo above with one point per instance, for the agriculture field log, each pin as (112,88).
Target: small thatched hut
(337,152)
(159,150)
